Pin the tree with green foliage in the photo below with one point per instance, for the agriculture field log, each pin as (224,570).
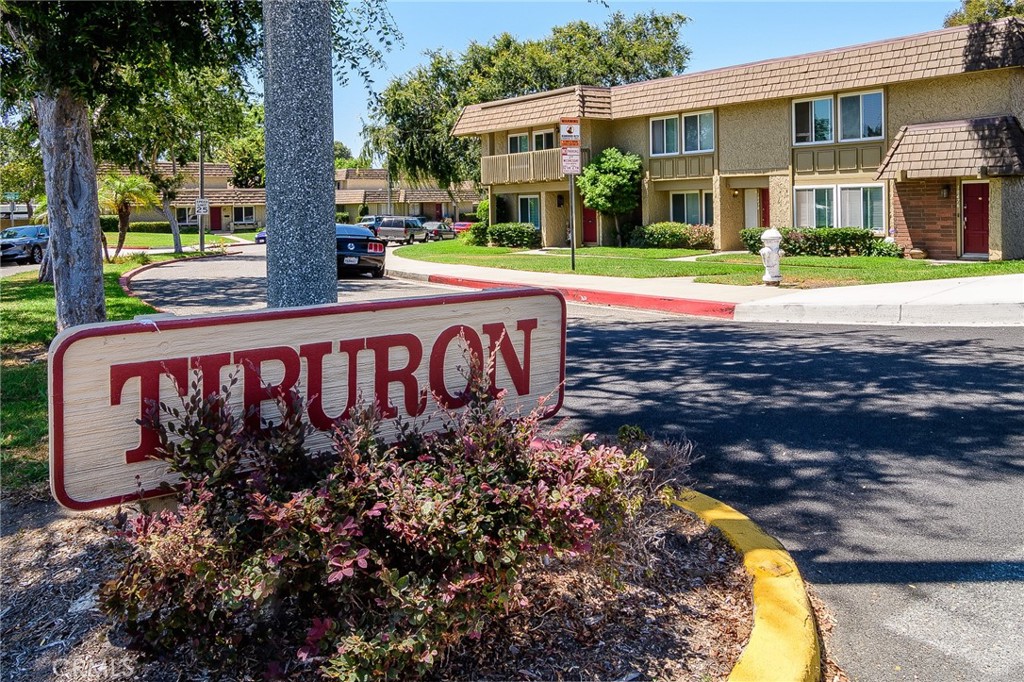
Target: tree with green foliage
(68,58)
(21,163)
(979,11)
(246,152)
(168,123)
(415,140)
(122,194)
(610,184)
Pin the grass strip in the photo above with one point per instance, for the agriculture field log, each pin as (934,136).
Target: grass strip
(29,314)
(804,272)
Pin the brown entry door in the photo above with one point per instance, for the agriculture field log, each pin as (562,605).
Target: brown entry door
(215,218)
(976,217)
(589,226)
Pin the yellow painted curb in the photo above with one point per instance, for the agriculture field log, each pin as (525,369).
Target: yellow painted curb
(783,644)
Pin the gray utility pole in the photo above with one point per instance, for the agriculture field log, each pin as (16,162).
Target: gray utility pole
(301,260)
(202,191)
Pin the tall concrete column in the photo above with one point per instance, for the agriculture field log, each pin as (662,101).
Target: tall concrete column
(301,262)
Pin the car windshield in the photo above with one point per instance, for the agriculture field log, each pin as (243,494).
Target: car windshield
(342,230)
(15,232)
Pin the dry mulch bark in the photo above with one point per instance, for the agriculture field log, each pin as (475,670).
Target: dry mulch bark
(682,612)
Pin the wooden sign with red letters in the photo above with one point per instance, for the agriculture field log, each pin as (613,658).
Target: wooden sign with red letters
(409,357)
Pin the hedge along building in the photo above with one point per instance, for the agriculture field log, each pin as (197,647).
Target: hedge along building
(918,137)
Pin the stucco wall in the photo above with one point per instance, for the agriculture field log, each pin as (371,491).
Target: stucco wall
(554,220)
(780,195)
(631,135)
(1017,94)
(754,138)
(728,216)
(1007,207)
(983,93)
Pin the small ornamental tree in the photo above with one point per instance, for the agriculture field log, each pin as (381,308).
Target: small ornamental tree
(610,184)
(121,194)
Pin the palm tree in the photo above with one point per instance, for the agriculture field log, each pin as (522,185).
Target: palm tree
(121,194)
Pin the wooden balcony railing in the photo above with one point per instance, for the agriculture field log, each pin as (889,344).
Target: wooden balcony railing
(542,166)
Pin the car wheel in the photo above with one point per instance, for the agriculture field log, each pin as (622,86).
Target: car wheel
(378,273)
(36,255)
(408,240)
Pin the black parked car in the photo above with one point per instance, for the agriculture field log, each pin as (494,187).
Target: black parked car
(25,243)
(359,251)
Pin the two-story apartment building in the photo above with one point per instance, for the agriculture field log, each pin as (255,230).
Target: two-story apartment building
(919,138)
(355,187)
(237,207)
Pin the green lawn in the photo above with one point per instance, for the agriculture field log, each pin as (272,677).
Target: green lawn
(152,240)
(29,324)
(742,269)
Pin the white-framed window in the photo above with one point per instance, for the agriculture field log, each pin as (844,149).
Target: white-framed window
(862,206)
(699,132)
(812,121)
(814,206)
(692,208)
(529,210)
(543,139)
(185,216)
(664,136)
(244,215)
(518,143)
(861,116)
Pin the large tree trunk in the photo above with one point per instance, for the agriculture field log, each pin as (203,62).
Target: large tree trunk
(172,218)
(73,206)
(46,267)
(122,229)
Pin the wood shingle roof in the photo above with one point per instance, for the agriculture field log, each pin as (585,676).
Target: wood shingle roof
(961,49)
(982,146)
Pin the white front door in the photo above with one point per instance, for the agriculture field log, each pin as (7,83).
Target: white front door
(752,208)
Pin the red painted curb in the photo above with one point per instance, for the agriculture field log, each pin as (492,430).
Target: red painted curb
(685,306)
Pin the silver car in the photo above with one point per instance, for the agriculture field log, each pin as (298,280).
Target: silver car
(401,229)
(25,243)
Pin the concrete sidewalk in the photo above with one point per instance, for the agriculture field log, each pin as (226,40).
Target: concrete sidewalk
(976,301)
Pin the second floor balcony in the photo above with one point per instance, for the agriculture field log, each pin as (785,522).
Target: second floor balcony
(542,166)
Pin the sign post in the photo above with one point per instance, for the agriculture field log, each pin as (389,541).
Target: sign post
(569,136)
(12,197)
(407,357)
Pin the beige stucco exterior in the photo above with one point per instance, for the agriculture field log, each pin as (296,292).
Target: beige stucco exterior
(755,138)
(754,146)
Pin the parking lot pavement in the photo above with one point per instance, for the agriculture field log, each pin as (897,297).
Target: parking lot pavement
(9,269)
(238,282)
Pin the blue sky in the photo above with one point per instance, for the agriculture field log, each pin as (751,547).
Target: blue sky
(720,33)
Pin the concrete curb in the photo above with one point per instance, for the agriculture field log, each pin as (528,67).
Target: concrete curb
(784,641)
(124,281)
(685,306)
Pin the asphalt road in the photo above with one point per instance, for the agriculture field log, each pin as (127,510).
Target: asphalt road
(889,461)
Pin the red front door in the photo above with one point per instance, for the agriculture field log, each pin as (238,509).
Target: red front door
(976,217)
(589,226)
(766,219)
(214,218)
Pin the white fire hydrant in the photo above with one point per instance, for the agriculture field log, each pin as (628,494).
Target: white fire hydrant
(771,256)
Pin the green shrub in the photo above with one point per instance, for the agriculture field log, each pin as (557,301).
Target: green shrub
(365,562)
(627,229)
(363,210)
(483,211)
(108,223)
(514,235)
(884,249)
(673,236)
(820,241)
(476,235)
(341,217)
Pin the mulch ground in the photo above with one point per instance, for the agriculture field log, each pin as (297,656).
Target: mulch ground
(675,606)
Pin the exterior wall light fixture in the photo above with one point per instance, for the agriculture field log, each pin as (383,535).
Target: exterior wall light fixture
(944,192)
(735,193)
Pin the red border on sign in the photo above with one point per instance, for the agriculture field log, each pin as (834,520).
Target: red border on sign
(62,343)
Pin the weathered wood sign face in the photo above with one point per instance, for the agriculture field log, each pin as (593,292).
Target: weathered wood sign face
(409,357)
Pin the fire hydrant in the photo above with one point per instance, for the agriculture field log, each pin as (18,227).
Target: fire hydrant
(771,256)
